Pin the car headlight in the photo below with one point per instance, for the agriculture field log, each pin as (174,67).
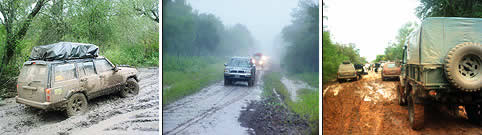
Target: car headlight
(261,62)
(226,70)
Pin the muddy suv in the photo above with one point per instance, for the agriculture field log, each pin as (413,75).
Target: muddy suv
(240,69)
(346,71)
(442,63)
(63,76)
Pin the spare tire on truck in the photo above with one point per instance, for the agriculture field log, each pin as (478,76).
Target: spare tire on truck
(464,66)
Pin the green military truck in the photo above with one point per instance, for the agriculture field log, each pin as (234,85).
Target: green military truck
(442,63)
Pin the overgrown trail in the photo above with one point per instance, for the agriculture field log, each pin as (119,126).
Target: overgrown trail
(106,115)
(370,106)
(213,110)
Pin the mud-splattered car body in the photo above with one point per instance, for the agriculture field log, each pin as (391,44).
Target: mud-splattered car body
(50,84)
(390,70)
(441,63)
(346,71)
(240,69)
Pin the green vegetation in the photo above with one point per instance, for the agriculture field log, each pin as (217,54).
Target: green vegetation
(307,105)
(394,51)
(127,32)
(449,8)
(183,76)
(309,77)
(193,44)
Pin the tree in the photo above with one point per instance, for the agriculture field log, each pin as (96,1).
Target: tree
(16,18)
(449,8)
(394,51)
(148,8)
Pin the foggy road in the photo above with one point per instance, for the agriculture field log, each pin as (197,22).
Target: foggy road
(370,106)
(213,110)
(106,115)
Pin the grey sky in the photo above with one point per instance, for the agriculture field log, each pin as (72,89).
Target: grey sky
(370,24)
(264,18)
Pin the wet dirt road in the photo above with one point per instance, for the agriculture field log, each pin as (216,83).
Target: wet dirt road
(106,115)
(370,106)
(213,110)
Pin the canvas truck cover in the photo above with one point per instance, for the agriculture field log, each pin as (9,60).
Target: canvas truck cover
(64,51)
(436,36)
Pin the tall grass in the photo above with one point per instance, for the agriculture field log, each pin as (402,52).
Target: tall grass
(306,106)
(184,75)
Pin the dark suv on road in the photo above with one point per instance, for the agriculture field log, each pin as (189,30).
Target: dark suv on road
(58,77)
(240,69)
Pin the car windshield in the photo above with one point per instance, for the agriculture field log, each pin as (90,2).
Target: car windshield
(34,72)
(239,62)
(346,67)
(391,65)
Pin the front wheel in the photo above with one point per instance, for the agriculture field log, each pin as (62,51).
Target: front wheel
(76,105)
(402,99)
(131,88)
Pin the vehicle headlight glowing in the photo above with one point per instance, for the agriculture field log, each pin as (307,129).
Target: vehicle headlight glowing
(264,57)
(261,62)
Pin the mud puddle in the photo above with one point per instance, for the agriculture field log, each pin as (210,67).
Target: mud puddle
(213,110)
(293,86)
(370,106)
(106,115)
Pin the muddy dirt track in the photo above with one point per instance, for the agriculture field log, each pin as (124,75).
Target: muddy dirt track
(370,106)
(213,110)
(106,115)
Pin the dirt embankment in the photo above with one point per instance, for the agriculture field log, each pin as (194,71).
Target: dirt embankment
(106,115)
(370,106)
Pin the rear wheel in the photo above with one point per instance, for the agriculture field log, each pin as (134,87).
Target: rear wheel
(416,113)
(76,105)
(131,88)
(463,66)
(474,113)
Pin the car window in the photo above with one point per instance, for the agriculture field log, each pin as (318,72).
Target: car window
(345,67)
(102,65)
(64,72)
(239,62)
(87,68)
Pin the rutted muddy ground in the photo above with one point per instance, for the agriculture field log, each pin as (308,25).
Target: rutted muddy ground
(213,110)
(106,115)
(370,106)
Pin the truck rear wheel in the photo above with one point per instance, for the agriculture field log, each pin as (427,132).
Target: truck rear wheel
(474,113)
(416,113)
(76,105)
(463,66)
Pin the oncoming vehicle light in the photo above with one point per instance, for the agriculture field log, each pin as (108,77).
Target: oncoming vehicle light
(252,60)
(47,94)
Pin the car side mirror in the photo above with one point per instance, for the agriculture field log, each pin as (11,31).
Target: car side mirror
(115,69)
(225,64)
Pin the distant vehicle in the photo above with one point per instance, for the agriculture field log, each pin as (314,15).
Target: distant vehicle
(360,70)
(377,66)
(240,69)
(346,71)
(260,60)
(441,64)
(63,76)
(390,70)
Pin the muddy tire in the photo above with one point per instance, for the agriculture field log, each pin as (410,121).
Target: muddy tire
(416,114)
(474,113)
(464,66)
(340,80)
(76,105)
(402,99)
(131,88)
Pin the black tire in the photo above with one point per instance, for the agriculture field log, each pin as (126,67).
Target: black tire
(226,82)
(340,80)
(474,113)
(250,83)
(463,66)
(416,114)
(76,105)
(402,99)
(131,88)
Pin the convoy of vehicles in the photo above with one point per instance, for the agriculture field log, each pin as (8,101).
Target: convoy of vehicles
(240,69)
(63,76)
(259,60)
(442,64)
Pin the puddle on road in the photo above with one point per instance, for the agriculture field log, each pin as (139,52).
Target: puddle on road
(293,86)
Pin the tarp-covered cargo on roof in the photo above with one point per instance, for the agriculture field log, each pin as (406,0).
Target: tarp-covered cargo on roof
(431,43)
(64,51)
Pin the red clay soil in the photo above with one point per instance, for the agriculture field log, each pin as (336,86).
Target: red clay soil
(369,106)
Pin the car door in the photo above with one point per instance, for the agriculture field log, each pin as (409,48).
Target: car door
(89,79)
(65,79)
(108,77)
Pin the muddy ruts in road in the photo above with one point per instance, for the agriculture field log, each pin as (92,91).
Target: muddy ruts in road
(213,110)
(370,106)
(106,115)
